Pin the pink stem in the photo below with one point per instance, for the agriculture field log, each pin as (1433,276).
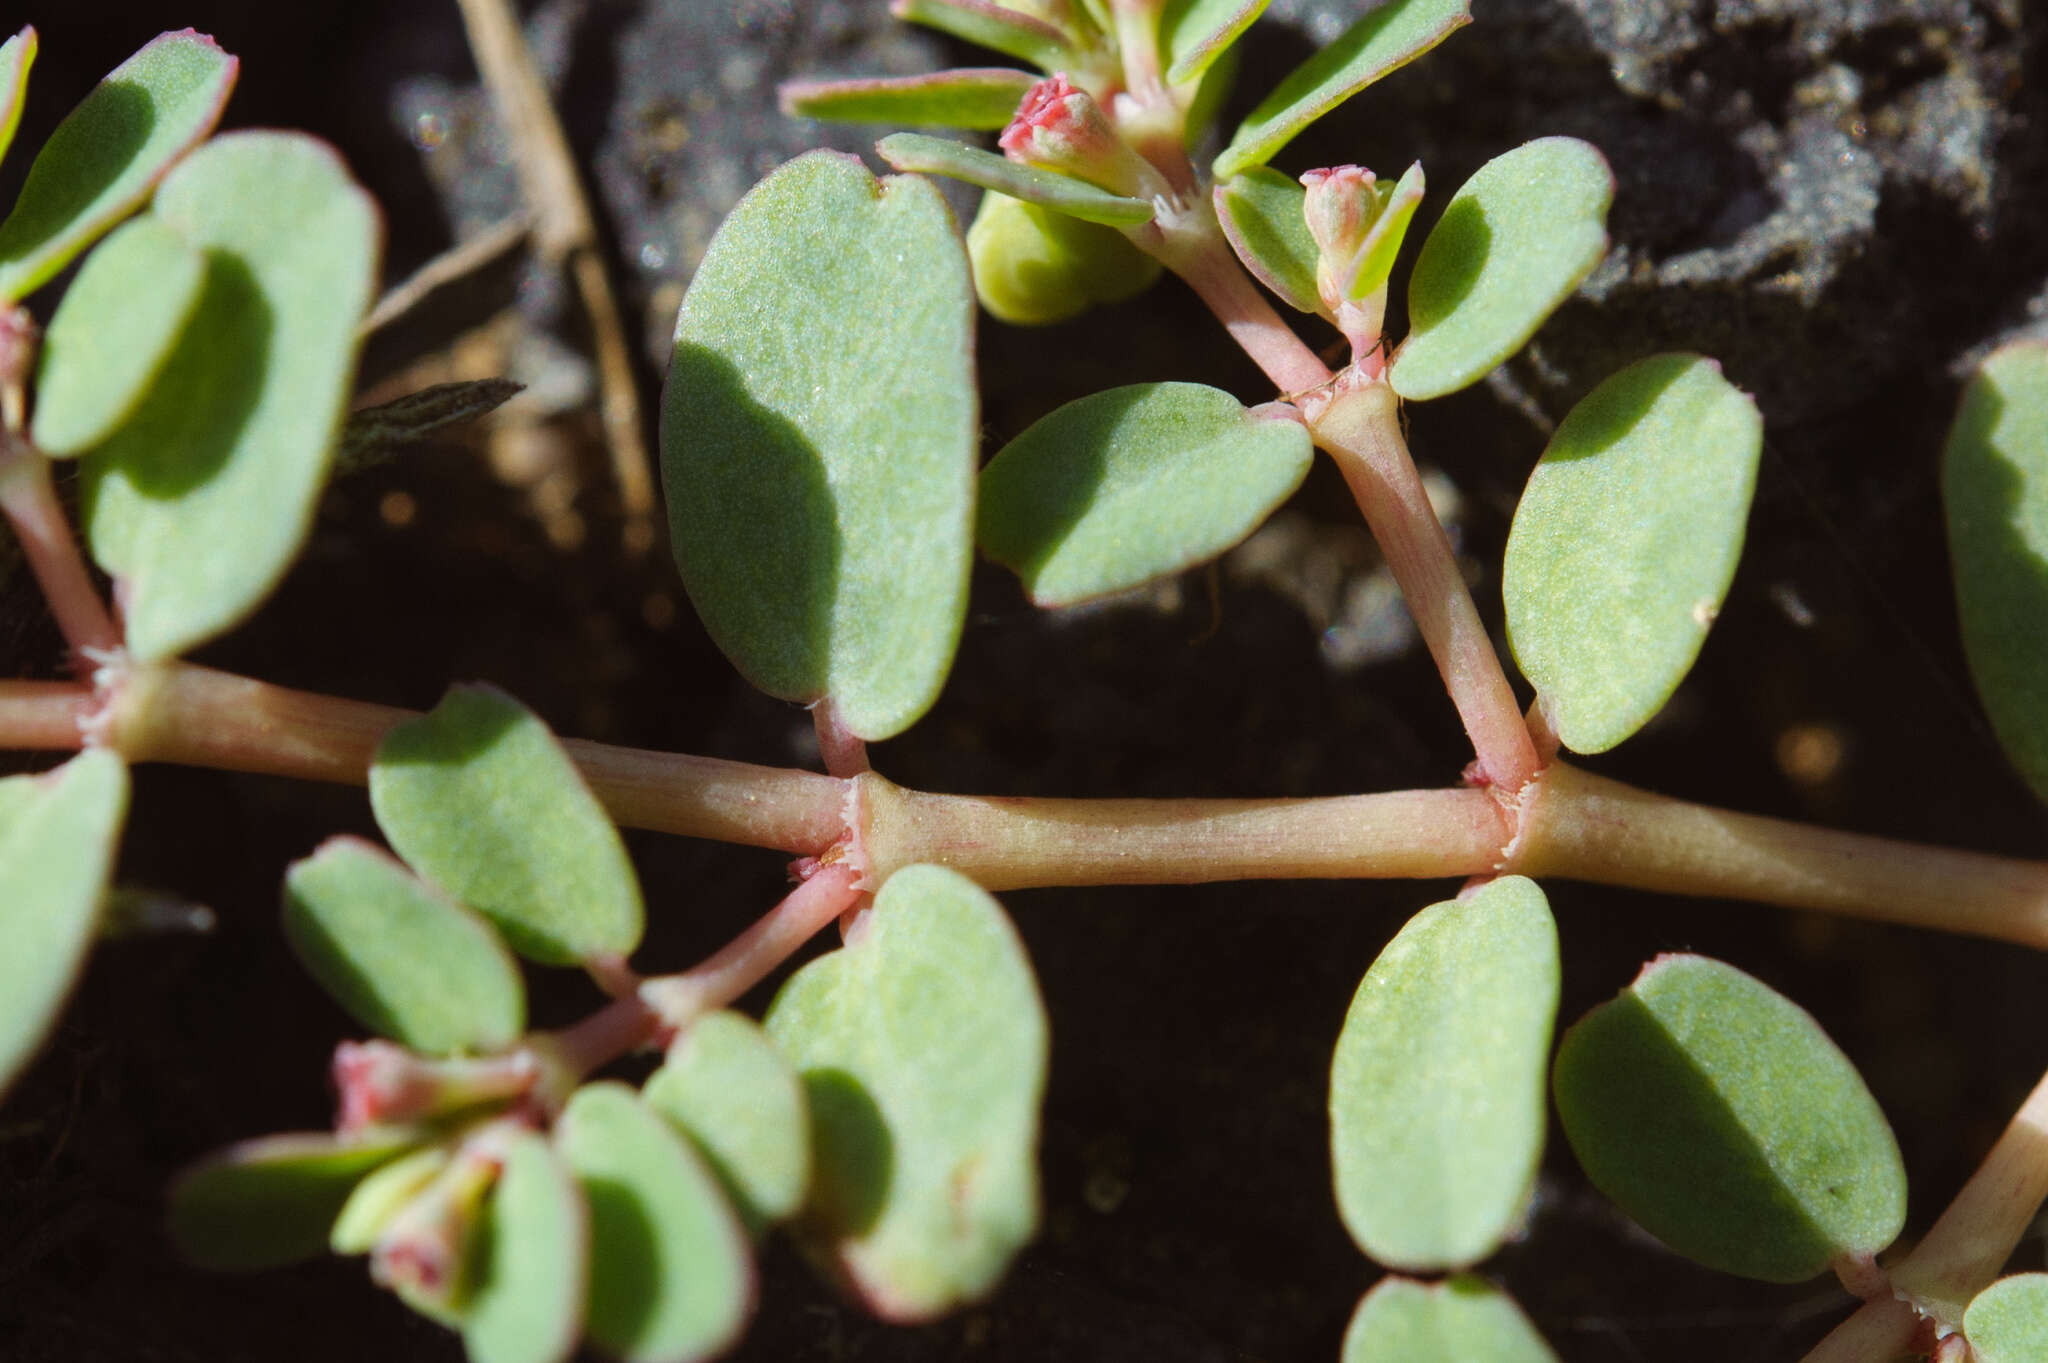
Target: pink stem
(1880,1329)
(625,1024)
(30,502)
(1361,430)
(748,958)
(1194,249)
(45,715)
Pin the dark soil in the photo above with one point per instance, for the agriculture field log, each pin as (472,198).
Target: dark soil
(1187,1211)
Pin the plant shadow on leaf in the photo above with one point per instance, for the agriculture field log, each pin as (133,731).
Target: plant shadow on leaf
(1462,237)
(759,543)
(90,150)
(1656,1136)
(855,1154)
(1596,427)
(208,390)
(626,1253)
(1045,510)
(451,745)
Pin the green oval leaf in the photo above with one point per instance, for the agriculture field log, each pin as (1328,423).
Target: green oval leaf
(1994,484)
(1625,542)
(994,25)
(110,151)
(1436,1091)
(1033,266)
(671,1276)
(272,1201)
(531,1261)
(1511,246)
(1262,218)
(922,1049)
(479,798)
(401,958)
(381,1195)
(818,440)
(728,1089)
(1719,1115)
(1194,33)
(17,55)
(1388,36)
(1462,1320)
(983,97)
(58,832)
(201,500)
(2008,1321)
(1131,484)
(113,333)
(923,155)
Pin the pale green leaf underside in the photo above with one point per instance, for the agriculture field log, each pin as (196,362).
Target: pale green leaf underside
(1387,37)
(113,333)
(1033,266)
(2008,1321)
(1719,1115)
(917,153)
(1436,1090)
(1194,33)
(1261,213)
(106,155)
(400,957)
(1464,1320)
(984,97)
(818,437)
(200,501)
(671,1275)
(58,832)
(1994,483)
(479,798)
(531,1261)
(381,1195)
(1625,542)
(1118,488)
(726,1087)
(1511,246)
(17,55)
(922,1048)
(993,26)
(272,1201)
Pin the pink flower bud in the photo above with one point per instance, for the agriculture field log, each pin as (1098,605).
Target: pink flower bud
(1340,206)
(1062,129)
(381,1083)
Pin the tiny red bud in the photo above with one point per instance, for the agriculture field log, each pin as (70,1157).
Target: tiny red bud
(1061,128)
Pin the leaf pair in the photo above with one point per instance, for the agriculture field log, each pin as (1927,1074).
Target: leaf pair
(1714,1111)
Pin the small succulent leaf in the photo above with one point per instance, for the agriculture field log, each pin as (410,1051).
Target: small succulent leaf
(381,1195)
(479,798)
(113,333)
(1370,272)
(923,155)
(531,1261)
(372,435)
(818,436)
(671,1273)
(1436,1091)
(17,55)
(995,26)
(983,97)
(1719,1116)
(1124,486)
(1261,215)
(273,1201)
(1033,266)
(2008,1321)
(1994,483)
(1387,37)
(400,957)
(1461,1320)
(58,833)
(922,1049)
(726,1087)
(109,152)
(201,500)
(1511,246)
(1204,105)
(1194,33)
(1625,542)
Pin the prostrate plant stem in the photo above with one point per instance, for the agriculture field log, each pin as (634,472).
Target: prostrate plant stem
(30,504)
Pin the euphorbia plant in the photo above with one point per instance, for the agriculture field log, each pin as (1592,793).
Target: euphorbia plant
(820,441)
